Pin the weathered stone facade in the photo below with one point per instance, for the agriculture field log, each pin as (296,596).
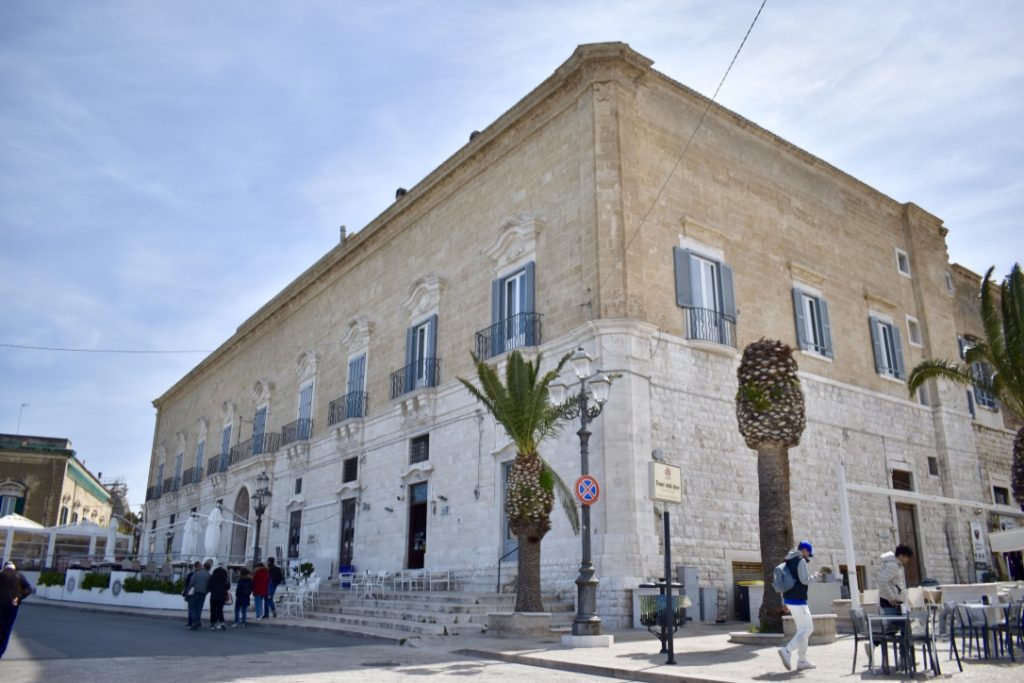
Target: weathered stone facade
(566,187)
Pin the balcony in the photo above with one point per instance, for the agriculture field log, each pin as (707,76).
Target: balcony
(269,442)
(512,333)
(352,404)
(218,463)
(299,430)
(153,493)
(423,373)
(705,324)
(171,484)
(192,475)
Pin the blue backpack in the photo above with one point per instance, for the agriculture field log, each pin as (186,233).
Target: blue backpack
(782,579)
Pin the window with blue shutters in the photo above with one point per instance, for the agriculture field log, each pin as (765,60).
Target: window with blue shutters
(704,290)
(304,425)
(225,447)
(259,427)
(200,454)
(355,398)
(888,350)
(179,459)
(983,371)
(514,320)
(813,331)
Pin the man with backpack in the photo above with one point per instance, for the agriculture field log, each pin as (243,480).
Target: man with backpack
(795,599)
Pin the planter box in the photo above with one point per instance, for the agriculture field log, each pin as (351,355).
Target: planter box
(115,595)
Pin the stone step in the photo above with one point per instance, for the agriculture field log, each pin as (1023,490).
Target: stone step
(371,625)
(423,604)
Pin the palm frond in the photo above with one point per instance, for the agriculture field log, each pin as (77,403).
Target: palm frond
(565,497)
(939,369)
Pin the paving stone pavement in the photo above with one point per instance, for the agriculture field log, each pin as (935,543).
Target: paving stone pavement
(703,653)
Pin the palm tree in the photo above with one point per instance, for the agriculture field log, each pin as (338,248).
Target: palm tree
(521,407)
(1002,350)
(770,412)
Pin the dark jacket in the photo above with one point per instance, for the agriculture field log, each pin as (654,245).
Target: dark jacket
(243,589)
(220,584)
(276,575)
(13,585)
(188,578)
(200,581)
(797,566)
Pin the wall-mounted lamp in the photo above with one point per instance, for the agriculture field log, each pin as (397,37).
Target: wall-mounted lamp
(444,498)
(389,509)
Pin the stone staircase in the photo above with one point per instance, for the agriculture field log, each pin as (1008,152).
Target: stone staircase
(420,613)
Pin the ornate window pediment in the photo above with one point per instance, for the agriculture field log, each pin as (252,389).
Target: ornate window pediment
(305,366)
(202,428)
(357,333)
(424,295)
(227,412)
(515,241)
(262,390)
(9,487)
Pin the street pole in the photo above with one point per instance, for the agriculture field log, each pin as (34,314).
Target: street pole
(668,619)
(256,550)
(587,622)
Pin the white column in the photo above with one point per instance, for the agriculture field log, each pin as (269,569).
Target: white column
(851,561)
(8,544)
(92,546)
(50,547)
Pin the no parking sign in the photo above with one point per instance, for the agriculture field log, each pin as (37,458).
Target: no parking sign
(587,490)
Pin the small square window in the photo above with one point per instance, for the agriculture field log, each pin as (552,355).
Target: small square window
(298,485)
(903,262)
(914,331)
(922,397)
(1000,495)
(419,449)
(933,466)
(902,481)
(350,470)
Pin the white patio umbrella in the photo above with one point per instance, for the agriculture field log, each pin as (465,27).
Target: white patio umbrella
(213,533)
(188,539)
(108,554)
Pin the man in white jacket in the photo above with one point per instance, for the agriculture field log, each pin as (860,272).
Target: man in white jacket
(892,580)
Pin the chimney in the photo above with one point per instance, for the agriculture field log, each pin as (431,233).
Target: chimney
(343,234)
(399,193)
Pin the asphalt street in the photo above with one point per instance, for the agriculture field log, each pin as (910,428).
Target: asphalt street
(61,645)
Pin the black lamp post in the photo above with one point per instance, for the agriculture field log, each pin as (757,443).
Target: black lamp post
(596,387)
(260,501)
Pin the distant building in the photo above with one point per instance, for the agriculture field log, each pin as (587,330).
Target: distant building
(572,220)
(41,479)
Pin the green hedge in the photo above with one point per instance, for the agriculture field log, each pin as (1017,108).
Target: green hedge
(51,579)
(150,583)
(95,580)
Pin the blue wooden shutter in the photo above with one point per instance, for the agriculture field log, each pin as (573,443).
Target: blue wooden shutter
(801,319)
(410,358)
(497,332)
(728,296)
(530,305)
(876,343)
(356,373)
(19,505)
(684,291)
(897,346)
(826,327)
(432,352)
(970,403)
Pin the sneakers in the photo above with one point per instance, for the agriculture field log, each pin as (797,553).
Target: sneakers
(784,656)
(804,664)
(236,625)
(214,627)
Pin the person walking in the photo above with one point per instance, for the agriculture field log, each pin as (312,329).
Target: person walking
(14,588)
(276,579)
(220,584)
(260,587)
(243,589)
(184,591)
(196,588)
(795,599)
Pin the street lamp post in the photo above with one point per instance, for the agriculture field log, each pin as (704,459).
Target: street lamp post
(586,622)
(260,501)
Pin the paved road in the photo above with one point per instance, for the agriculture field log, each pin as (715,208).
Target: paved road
(62,645)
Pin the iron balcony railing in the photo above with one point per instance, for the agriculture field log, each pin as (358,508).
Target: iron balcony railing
(299,430)
(193,475)
(422,373)
(512,333)
(352,404)
(153,493)
(710,325)
(171,484)
(268,442)
(218,463)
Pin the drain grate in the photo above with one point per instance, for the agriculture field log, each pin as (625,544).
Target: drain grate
(381,664)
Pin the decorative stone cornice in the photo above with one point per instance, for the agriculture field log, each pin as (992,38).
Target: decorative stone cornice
(418,406)
(879,302)
(419,471)
(179,442)
(515,241)
(349,433)
(262,391)
(424,295)
(349,489)
(703,234)
(305,365)
(800,273)
(202,428)
(357,334)
(297,454)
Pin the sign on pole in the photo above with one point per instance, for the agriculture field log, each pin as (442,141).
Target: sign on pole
(587,489)
(666,482)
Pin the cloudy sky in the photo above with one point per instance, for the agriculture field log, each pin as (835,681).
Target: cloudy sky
(166,167)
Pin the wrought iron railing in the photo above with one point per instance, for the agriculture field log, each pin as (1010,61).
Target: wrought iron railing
(422,373)
(171,484)
(352,404)
(153,493)
(193,475)
(299,430)
(268,442)
(710,325)
(218,463)
(512,333)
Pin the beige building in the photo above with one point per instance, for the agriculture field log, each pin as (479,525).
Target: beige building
(41,479)
(573,221)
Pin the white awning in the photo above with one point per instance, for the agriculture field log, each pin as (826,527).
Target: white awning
(1007,541)
(15,521)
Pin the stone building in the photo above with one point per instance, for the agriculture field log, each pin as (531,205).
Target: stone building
(565,223)
(41,479)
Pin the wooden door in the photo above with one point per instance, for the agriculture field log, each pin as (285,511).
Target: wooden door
(906,520)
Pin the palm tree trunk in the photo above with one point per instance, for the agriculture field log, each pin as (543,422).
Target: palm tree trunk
(776,527)
(528,597)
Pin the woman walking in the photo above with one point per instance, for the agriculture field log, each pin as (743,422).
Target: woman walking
(220,584)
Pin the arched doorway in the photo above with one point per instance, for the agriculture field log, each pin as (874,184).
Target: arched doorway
(239,533)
